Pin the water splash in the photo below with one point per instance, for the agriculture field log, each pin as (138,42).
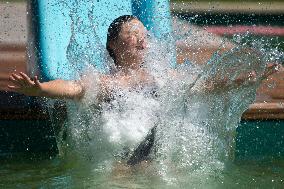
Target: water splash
(195,122)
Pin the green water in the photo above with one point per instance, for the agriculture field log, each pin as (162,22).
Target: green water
(73,173)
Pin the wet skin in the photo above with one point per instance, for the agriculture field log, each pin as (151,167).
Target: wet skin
(130,45)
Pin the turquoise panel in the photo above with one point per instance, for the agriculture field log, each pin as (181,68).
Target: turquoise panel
(155,15)
(53,40)
(54,20)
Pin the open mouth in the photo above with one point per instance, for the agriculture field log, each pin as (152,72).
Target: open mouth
(140,48)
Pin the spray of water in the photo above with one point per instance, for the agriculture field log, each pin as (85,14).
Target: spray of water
(194,108)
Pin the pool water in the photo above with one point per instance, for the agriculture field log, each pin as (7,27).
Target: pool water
(71,173)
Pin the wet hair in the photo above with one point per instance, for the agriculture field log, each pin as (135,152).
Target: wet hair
(114,30)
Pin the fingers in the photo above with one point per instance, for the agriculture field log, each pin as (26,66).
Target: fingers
(22,79)
(12,78)
(13,88)
(26,78)
(37,83)
(14,81)
(270,69)
(280,68)
(17,79)
(252,76)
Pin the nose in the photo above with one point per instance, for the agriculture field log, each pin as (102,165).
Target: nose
(143,43)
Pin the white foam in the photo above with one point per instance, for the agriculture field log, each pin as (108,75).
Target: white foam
(195,128)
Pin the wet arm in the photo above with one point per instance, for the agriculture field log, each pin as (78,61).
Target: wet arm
(245,78)
(53,89)
(62,89)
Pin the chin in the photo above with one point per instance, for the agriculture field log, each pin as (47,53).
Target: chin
(140,57)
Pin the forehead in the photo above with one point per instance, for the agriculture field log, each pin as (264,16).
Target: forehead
(132,26)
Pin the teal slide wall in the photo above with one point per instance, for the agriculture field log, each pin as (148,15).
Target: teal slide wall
(52,22)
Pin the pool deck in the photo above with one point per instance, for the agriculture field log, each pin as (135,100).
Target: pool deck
(269,103)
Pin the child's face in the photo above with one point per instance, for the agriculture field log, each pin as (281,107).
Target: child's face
(131,40)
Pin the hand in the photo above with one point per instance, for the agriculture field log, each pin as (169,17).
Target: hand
(252,77)
(25,85)
(271,69)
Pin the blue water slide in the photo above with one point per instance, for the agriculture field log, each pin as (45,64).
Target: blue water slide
(52,24)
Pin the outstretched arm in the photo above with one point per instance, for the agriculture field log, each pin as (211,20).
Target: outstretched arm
(53,89)
(251,77)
